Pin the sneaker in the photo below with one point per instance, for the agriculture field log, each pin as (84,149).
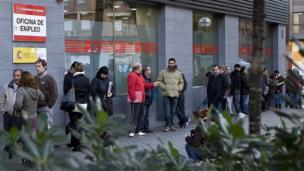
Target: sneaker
(140,133)
(187,123)
(76,149)
(172,128)
(167,129)
(131,134)
(242,115)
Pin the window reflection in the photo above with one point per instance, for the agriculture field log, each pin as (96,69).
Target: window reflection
(116,35)
(205,47)
(245,41)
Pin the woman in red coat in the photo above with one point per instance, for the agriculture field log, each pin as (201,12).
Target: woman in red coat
(136,96)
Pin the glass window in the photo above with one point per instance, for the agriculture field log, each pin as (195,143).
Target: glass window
(114,34)
(245,42)
(298,23)
(205,47)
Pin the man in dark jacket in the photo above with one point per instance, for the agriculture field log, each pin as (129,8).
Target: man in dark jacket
(216,88)
(48,86)
(279,98)
(235,87)
(244,91)
(180,108)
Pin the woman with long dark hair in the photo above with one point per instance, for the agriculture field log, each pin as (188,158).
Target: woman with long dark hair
(27,98)
(103,88)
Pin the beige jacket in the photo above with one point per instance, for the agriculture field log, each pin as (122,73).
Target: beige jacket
(171,83)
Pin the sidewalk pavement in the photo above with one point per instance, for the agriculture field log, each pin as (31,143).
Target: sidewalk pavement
(178,138)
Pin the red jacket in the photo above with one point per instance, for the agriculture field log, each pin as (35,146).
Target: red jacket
(136,82)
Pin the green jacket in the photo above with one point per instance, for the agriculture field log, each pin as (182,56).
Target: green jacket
(171,83)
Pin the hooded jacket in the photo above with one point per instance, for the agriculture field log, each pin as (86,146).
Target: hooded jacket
(26,101)
(7,98)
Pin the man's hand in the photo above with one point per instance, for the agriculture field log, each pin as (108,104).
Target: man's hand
(156,84)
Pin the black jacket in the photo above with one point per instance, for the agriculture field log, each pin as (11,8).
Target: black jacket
(148,92)
(67,81)
(99,88)
(185,84)
(236,82)
(244,84)
(82,87)
(196,137)
(216,87)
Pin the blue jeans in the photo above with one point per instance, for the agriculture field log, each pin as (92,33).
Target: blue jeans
(278,100)
(295,100)
(170,104)
(145,125)
(244,103)
(193,152)
(204,104)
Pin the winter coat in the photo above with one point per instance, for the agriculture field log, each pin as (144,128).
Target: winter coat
(217,87)
(48,86)
(136,83)
(171,83)
(99,88)
(196,137)
(265,84)
(244,84)
(67,81)
(82,87)
(7,98)
(279,89)
(148,92)
(272,88)
(185,84)
(26,101)
(236,82)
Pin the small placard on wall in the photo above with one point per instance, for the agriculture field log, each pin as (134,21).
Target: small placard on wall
(28,55)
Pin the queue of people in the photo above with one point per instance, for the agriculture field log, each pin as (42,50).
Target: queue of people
(227,90)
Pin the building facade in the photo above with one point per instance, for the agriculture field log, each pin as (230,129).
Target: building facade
(296,31)
(98,33)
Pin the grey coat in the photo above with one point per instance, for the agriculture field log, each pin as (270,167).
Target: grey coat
(26,101)
(7,98)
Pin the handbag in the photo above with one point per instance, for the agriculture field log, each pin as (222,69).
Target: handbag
(138,97)
(68,103)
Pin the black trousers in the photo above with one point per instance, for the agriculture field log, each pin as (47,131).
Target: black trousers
(73,125)
(9,122)
(137,110)
(180,110)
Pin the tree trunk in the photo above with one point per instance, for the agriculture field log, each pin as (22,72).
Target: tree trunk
(257,64)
